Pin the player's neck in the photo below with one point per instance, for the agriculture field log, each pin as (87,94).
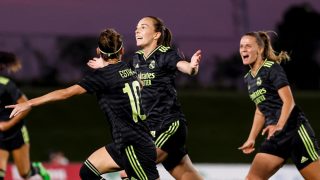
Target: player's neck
(113,61)
(256,66)
(149,49)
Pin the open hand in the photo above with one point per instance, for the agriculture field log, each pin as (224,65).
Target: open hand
(247,147)
(96,63)
(18,108)
(271,130)
(195,59)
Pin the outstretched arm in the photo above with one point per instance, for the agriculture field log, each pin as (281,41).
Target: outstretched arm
(191,67)
(56,95)
(258,122)
(6,125)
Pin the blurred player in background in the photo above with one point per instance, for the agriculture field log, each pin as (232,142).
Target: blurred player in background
(289,134)
(58,158)
(118,93)
(157,65)
(14,137)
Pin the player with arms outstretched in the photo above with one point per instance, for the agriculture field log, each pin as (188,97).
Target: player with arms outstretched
(118,92)
(157,65)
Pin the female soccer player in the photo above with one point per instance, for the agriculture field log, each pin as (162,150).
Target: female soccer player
(14,136)
(289,134)
(118,94)
(157,65)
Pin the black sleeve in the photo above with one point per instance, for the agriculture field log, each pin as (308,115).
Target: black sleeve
(171,59)
(13,91)
(93,82)
(278,76)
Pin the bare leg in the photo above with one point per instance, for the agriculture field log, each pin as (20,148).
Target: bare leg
(312,171)
(264,166)
(4,156)
(185,170)
(21,158)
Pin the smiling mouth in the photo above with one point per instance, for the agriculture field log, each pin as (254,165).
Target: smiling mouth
(245,57)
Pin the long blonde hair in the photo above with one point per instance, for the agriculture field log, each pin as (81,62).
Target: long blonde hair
(263,41)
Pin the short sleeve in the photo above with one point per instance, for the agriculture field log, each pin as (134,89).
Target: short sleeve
(92,82)
(13,90)
(171,59)
(278,76)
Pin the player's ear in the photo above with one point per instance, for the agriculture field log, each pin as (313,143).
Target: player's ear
(157,35)
(98,51)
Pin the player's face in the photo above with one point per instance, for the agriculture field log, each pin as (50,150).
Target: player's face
(249,50)
(145,33)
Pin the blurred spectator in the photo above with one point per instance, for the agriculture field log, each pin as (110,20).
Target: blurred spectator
(58,158)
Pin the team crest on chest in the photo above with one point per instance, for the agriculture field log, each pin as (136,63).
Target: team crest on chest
(152,64)
(259,81)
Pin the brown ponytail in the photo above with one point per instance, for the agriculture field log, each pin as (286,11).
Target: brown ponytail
(110,44)
(166,35)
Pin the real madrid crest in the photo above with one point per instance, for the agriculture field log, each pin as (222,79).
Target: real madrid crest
(152,64)
(259,81)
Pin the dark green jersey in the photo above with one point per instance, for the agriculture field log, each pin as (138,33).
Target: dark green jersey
(118,94)
(159,96)
(263,89)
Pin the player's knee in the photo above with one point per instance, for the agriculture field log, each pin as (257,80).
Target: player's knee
(87,173)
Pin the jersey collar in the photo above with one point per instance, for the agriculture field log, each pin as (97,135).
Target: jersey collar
(254,75)
(146,57)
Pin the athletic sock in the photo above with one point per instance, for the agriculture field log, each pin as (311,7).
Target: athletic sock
(89,172)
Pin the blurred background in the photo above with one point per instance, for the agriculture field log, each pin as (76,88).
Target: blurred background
(54,40)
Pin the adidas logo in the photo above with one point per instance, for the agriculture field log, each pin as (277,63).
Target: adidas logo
(153,133)
(303,159)
(137,66)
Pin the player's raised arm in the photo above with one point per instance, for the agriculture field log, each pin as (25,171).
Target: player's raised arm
(191,67)
(56,95)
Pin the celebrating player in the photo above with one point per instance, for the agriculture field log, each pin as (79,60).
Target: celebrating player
(289,134)
(118,93)
(14,136)
(157,65)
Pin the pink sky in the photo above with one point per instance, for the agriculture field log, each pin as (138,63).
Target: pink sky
(196,24)
(200,21)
